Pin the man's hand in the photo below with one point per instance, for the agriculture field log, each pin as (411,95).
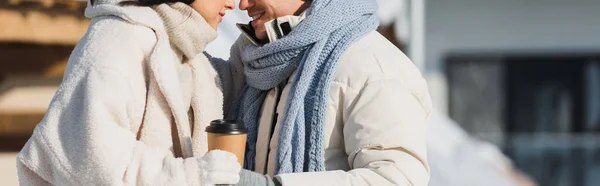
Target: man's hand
(249,178)
(520,178)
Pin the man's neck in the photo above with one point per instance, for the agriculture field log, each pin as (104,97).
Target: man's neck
(302,8)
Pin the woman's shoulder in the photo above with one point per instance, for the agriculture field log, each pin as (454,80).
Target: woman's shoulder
(114,30)
(112,43)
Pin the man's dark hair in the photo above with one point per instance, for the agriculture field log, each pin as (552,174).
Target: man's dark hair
(150,2)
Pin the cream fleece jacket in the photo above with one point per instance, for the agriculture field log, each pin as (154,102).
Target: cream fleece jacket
(119,116)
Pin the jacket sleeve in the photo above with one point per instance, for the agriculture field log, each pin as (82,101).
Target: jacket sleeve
(231,73)
(85,136)
(384,135)
(480,162)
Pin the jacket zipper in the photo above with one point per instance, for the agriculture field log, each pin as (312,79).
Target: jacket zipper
(274,119)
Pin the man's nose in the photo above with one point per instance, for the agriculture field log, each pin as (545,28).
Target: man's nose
(246,4)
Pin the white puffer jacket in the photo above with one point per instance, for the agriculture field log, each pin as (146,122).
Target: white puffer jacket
(376,122)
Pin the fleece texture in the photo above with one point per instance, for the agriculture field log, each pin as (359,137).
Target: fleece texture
(120,116)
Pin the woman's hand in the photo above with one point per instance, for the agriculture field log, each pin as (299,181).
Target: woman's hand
(219,167)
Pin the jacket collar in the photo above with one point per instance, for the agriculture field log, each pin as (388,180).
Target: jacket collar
(282,26)
(188,31)
(275,28)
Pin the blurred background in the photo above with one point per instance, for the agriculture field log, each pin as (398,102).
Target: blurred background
(515,83)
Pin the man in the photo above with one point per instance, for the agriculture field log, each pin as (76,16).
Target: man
(327,99)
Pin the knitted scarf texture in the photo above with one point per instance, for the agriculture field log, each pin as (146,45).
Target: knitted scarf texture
(313,49)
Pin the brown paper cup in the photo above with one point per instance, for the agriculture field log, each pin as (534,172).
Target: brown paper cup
(229,136)
(234,143)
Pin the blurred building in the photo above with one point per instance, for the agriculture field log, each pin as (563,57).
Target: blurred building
(525,76)
(36,39)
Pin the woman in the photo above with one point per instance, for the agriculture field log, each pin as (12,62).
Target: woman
(136,96)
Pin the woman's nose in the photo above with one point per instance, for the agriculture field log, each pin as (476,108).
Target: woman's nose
(230,5)
(245,4)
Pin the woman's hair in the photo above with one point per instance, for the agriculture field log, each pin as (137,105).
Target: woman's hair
(150,2)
